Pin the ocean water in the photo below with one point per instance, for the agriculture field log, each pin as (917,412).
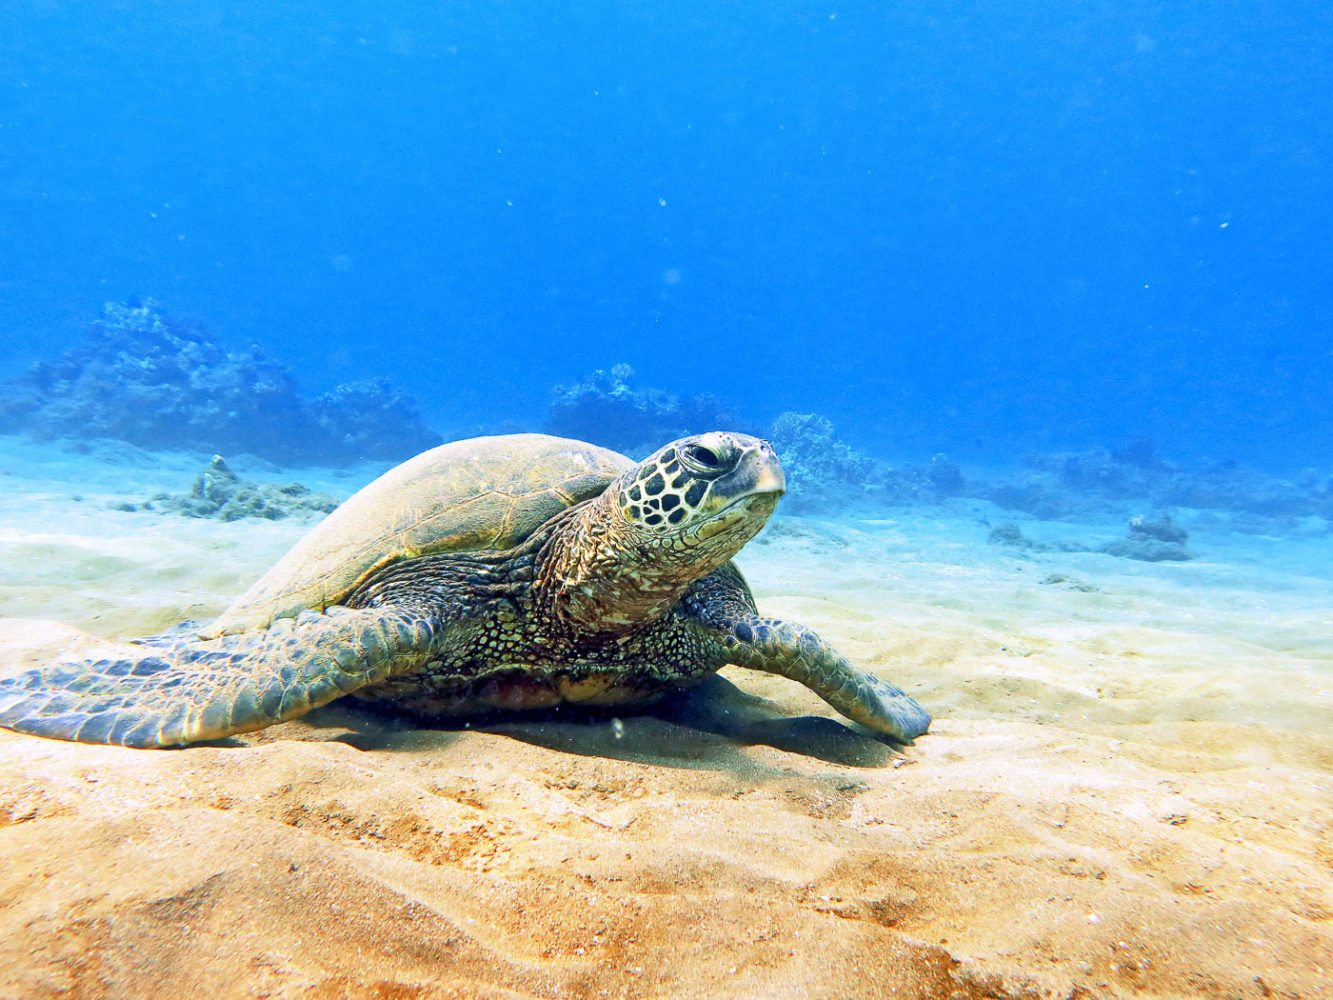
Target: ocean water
(1057,271)
(959,226)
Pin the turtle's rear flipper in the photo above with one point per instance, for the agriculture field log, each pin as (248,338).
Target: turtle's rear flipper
(185,691)
(794,651)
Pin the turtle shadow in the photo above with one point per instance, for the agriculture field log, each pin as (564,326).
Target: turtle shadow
(719,707)
(705,727)
(365,726)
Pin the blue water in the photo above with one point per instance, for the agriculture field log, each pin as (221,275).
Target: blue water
(978,227)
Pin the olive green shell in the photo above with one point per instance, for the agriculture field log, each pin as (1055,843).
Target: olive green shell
(483,493)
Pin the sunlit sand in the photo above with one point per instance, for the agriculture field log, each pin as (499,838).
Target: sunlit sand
(1127,790)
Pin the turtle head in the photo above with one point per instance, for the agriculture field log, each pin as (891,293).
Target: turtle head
(699,499)
(627,557)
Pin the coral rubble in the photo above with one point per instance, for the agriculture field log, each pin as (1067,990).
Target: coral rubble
(218,492)
(1149,540)
(157,381)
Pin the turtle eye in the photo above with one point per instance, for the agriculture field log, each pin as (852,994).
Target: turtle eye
(700,459)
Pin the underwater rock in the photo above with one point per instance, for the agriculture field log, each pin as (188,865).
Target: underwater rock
(946,477)
(1065,582)
(1012,535)
(1082,484)
(939,480)
(158,381)
(218,492)
(603,408)
(1158,540)
(1161,530)
(1231,486)
(1009,534)
(1152,541)
(1140,450)
(1098,472)
(1032,495)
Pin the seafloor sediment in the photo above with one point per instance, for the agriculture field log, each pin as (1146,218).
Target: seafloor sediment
(1128,789)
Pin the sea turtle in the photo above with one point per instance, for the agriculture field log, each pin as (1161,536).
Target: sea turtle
(509,572)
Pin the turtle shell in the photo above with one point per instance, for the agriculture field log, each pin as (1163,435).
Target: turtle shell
(482,493)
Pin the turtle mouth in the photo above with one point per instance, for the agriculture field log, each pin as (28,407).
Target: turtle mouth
(753,508)
(759,504)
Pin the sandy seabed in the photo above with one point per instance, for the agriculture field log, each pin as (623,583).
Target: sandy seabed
(1127,790)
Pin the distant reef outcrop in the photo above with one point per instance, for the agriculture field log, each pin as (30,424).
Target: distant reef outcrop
(150,378)
(823,471)
(1071,484)
(606,409)
(828,475)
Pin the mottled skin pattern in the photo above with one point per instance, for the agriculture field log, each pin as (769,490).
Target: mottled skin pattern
(617,600)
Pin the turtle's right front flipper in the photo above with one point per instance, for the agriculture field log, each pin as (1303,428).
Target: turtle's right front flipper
(186,691)
(795,651)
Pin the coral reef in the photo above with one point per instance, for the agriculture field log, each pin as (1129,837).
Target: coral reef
(369,419)
(603,408)
(1097,481)
(822,471)
(826,473)
(154,380)
(218,492)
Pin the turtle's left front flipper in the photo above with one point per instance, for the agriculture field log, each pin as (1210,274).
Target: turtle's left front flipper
(185,691)
(792,650)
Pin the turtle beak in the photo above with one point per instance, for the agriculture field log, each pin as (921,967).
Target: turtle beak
(755,472)
(770,478)
(758,471)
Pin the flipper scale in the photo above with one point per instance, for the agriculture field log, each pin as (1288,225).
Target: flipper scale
(188,690)
(795,651)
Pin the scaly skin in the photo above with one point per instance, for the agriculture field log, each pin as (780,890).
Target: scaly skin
(187,691)
(724,607)
(617,600)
